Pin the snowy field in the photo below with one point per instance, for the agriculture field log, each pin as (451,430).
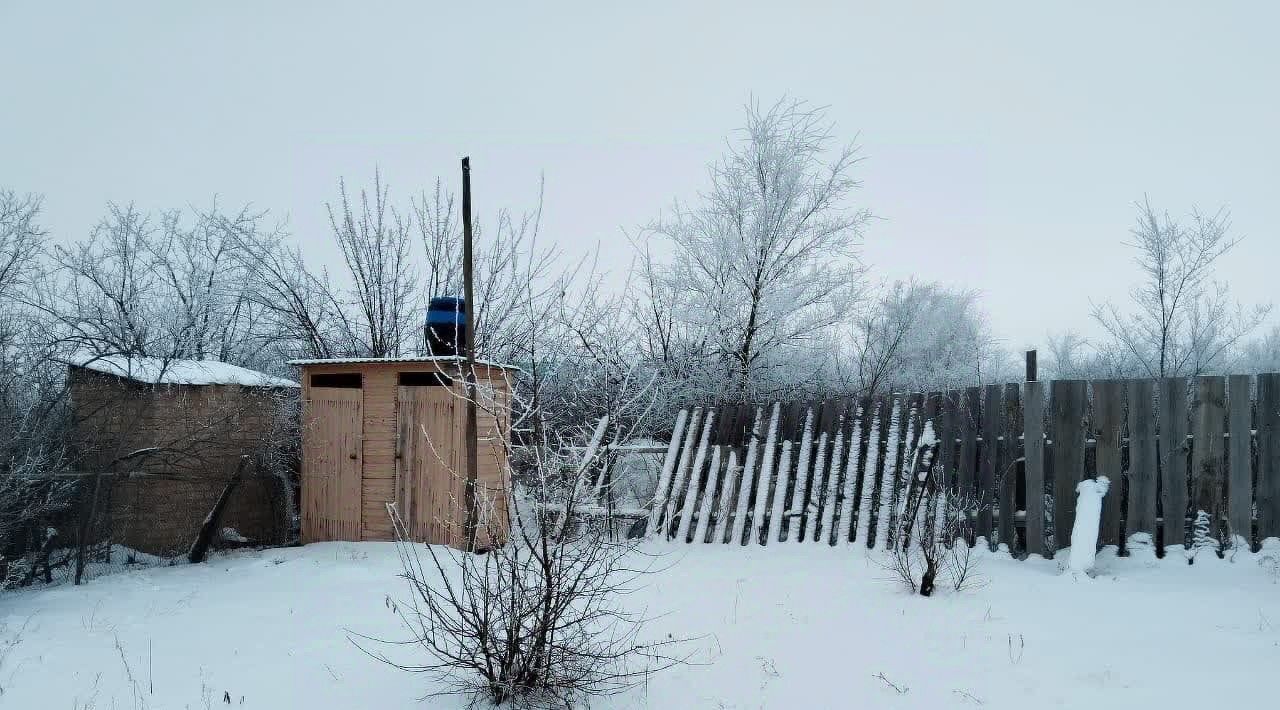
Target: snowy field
(781,627)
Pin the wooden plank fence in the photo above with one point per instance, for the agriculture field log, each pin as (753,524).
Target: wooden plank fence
(1178,451)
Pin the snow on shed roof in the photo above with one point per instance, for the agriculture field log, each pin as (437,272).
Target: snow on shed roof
(392,360)
(178,372)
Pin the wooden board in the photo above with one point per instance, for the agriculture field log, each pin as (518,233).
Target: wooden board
(826,530)
(332,464)
(1140,516)
(725,508)
(1008,469)
(667,525)
(1067,417)
(1208,425)
(694,478)
(874,470)
(1033,445)
(1174,450)
(668,470)
(737,535)
(1268,487)
(1108,433)
(1240,458)
(848,504)
(966,465)
(794,517)
(768,461)
(989,450)
(947,447)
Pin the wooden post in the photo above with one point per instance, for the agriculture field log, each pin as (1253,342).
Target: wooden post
(1031,366)
(469,350)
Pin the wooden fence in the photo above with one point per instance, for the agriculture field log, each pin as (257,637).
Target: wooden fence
(822,472)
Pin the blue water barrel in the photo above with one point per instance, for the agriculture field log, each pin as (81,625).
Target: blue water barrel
(446,328)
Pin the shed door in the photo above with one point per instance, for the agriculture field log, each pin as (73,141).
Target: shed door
(429,490)
(331,464)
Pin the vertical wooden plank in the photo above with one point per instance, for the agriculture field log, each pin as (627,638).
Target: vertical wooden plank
(737,535)
(728,492)
(1240,458)
(682,471)
(758,521)
(1268,495)
(947,481)
(1067,403)
(804,467)
(695,478)
(966,467)
(992,415)
(668,468)
(854,463)
(819,500)
(825,529)
(1140,482)
(708,495)
(1209,423)
(1174,450)
(1007,466)
(1033,445)
(1108,433)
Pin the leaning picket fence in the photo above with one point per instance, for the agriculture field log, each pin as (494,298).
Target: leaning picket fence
(1190,460)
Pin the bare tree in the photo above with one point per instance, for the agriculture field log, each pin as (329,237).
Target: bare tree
(921,335)
(375,243)
(1182,322)
(767,257)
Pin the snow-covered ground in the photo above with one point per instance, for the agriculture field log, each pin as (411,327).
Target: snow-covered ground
(781,627)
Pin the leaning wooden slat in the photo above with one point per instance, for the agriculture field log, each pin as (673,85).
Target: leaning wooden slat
(989,451)
(1240,458)
(708,495)
(732,475)
(1007,465)
(1173,452)
(1140,518)
(920,462)
(778,511)
(908,424)
(849,495)
(1033,446)
(1208,421)
(889,476)
(695,478)
(682,470)
(1268,494)
(759,522)
(826,530)
(1067,402)
(795,512)
(870,470)
(737,536)
(668,467)
(1108,432)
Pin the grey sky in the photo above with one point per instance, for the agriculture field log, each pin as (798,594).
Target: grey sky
(1004,142)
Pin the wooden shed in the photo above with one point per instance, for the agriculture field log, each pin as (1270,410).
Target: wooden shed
(378,431)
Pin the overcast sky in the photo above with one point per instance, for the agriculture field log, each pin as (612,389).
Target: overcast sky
(1005,142)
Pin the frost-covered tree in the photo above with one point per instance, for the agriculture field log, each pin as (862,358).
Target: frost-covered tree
(915,336)
(1262,354)
(766,258)
(1180,322)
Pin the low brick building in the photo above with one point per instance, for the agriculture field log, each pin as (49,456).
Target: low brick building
(166,436)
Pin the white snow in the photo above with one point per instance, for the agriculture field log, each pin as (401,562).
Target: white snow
(1084,533)
(178,372)
(783,626)
(424,358)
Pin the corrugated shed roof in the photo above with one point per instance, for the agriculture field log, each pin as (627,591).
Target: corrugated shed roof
(393,360)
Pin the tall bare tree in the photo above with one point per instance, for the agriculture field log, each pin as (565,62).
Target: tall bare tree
(1181,321)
